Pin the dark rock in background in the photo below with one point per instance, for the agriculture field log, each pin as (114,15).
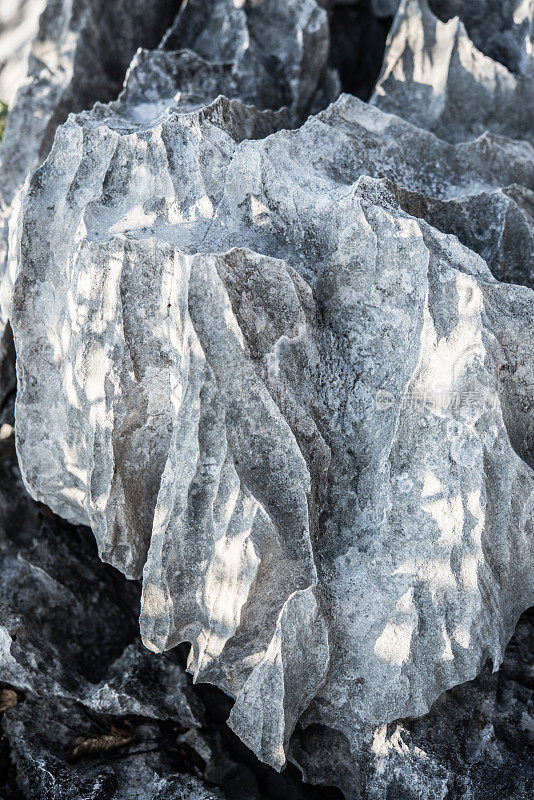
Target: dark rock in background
(86,712)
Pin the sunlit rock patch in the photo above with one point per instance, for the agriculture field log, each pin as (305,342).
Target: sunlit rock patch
(282,364)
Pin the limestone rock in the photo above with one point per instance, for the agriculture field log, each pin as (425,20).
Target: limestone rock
(286,375)
(43,731)
(434,76)
(18,25)
(475,743)
(501,29)
(275,53)
(497,224)
(52,640)
(307,414)
(81,53)
(89,711)
(79,56)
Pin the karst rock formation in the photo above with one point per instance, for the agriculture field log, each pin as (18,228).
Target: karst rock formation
(274,339)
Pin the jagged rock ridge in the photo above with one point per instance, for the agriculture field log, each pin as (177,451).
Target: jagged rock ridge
(435,76)
(257,363)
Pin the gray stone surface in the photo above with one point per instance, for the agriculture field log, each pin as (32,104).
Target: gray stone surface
(92,713)
(43,731)
(497,224)
(53,640)
(434,76)
(275,53)
(501,29)
(82,50)
(216,414)
(475,744)
(18,25)
(79,55)
(286,375)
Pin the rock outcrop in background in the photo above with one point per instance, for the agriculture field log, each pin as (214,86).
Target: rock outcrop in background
(273,345)
(19,21)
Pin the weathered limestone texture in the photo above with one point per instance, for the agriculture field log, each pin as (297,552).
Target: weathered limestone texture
(502,29)
(283,366)
(80,682)
(18,25)
(434,76)
(79,55)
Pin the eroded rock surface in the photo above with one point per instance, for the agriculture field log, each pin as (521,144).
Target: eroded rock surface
(284,370)
(85,710)
(434,75)
(475,743)
(79,56)
(18,26)
(501,29)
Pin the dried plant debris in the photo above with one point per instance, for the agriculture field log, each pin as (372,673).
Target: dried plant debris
(97,744)
(274,348)
(8,699)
